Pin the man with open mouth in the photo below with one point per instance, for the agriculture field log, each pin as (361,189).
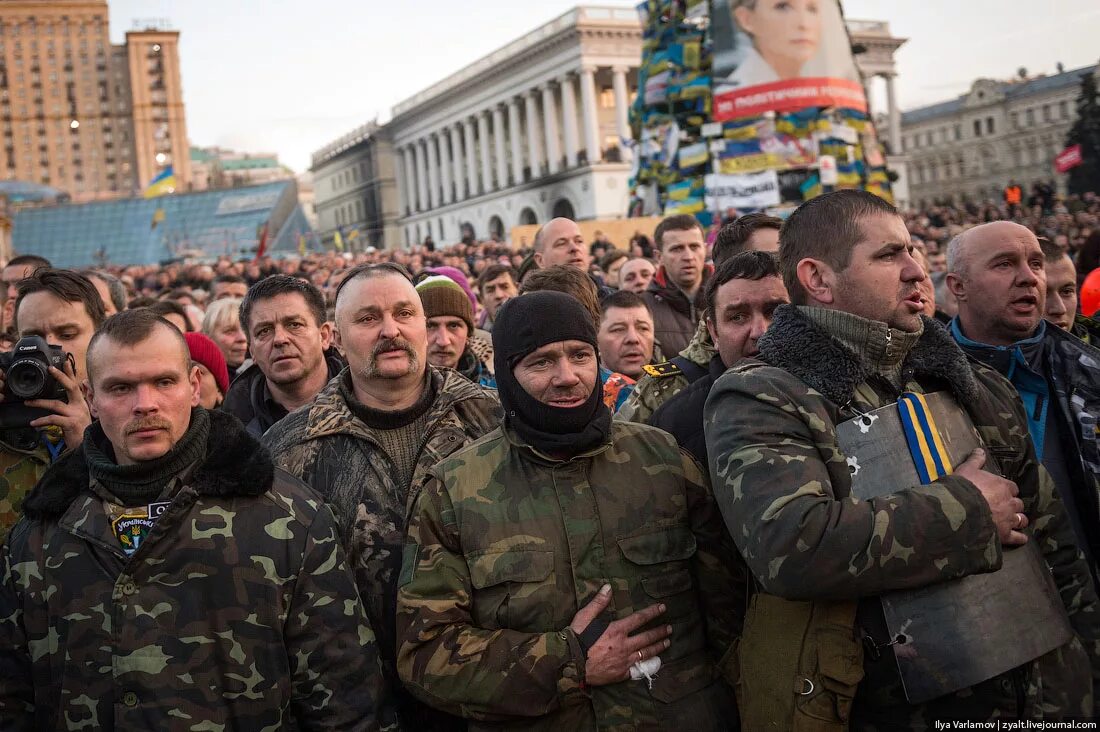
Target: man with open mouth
(997,272)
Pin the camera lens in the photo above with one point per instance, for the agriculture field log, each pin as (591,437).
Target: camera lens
(27,378)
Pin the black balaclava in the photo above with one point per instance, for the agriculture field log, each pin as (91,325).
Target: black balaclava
(524,324)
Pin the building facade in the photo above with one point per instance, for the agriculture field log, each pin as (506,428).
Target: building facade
(527,133)
(970,148)
(355,189)
(81,115)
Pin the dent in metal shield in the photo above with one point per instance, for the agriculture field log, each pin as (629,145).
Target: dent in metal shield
(960,632)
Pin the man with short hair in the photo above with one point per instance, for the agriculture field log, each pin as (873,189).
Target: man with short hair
(676,292)
(497,284)
(64,309)
(450,329)
(533,584)
(842,512)
(17,269)
(626,334)
(610,264)
(755,232)
(741,299)
(174,573)
(997,272)
(110,288)
(228,286)
(1061,297)
(289,340)
(635,274)
(373,433)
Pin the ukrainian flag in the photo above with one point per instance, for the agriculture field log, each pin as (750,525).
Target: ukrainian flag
(925,442)
(163,184)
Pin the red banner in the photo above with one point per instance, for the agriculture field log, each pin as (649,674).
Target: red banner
(788,96)
(1068,159)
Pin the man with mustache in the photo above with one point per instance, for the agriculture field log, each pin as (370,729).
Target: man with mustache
(290,341)
(167,575)
(833,525)
(554,561)
(997,272)
(373,433)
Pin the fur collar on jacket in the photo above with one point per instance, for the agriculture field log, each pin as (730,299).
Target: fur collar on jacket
(235,465)
(796,344)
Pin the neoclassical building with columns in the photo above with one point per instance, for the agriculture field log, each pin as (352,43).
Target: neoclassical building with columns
(529,132)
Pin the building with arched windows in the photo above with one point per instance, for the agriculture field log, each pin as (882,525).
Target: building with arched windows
(531,131)
(534,130)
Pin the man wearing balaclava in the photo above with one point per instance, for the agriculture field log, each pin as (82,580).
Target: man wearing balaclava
(566,571)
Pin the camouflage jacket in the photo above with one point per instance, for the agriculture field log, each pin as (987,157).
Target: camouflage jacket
(324,444)
(665,380)
(507,544)
(784,489)
(237,611)
(22,464)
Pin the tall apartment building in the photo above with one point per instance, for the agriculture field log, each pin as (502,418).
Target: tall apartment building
(84,116)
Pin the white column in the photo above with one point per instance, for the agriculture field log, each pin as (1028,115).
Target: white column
(410,179)
(421,176)
(455,133)
(622,107)
(895,116)
(444,168)
(550,123)
(591,114)
(534,134)
(483,147)
(471,158)
(569,119)
(433,171)
(498,147)
(513,139)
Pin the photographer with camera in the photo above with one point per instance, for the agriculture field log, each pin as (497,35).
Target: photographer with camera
(42,407)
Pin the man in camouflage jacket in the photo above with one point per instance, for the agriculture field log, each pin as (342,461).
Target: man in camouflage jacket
(228,606)
(347,451)
(784,486)
(512,538)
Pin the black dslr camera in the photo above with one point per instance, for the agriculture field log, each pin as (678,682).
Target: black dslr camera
(27,376)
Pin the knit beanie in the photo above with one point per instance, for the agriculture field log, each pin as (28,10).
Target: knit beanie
(523,325)
(442,296)
(459,278)
(205,351)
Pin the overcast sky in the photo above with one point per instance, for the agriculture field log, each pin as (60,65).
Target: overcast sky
(287,76)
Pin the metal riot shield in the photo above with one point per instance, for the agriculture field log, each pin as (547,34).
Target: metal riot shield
(958,633)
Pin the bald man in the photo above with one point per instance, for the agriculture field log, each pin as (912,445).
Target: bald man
(997,274)
(560,241)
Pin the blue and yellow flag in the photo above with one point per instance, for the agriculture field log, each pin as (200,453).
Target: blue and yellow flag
(338,241)
(925,443)
(163,184)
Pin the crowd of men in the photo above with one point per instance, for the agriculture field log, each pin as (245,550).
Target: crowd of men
(840,471)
